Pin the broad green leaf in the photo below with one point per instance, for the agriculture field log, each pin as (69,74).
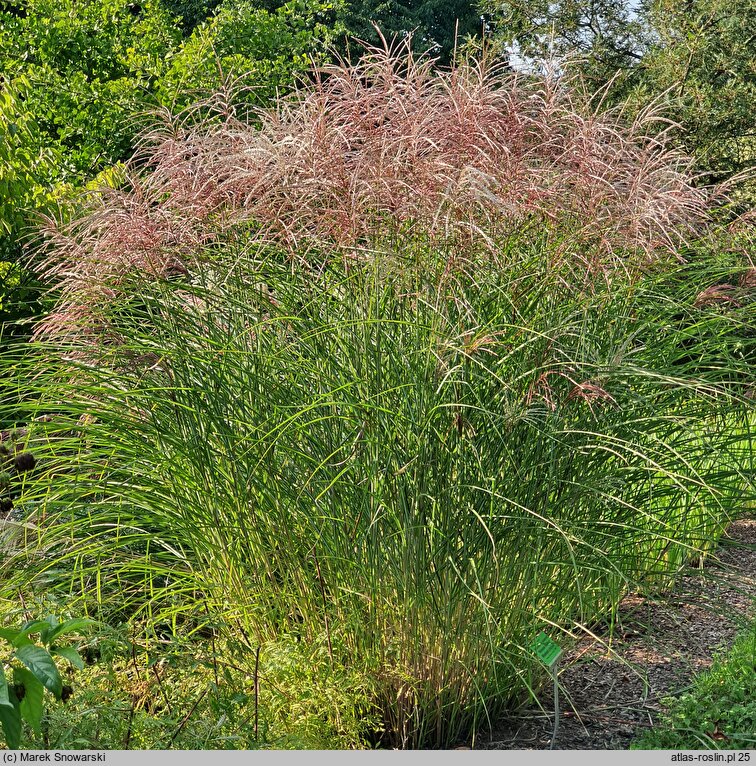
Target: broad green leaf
(4,699)
(69,627)
(10,717)
(33,626)
(52,622)
(32,704)
(9,634)
(42,665)
(68,653)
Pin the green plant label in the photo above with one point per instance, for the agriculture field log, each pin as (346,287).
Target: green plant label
(547,651)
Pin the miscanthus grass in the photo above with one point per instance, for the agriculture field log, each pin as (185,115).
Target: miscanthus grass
(382,383)
(405,481)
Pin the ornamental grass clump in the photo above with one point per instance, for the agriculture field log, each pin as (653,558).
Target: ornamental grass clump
(368,152)
(393,392)
(408,486)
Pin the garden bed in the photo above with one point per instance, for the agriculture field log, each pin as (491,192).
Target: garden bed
(612,691)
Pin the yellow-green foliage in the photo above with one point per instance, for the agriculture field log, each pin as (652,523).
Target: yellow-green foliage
(266,47)
(25,161)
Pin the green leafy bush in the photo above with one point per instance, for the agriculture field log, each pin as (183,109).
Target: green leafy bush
(184,691)
(92,65)
(266,48)
(97,65)
(25,161)
(26,164)
(191,12)
(34,671)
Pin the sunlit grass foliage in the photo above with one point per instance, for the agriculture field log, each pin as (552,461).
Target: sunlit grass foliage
(410,482)
(400,401)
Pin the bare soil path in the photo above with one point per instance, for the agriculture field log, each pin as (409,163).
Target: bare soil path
(610,694)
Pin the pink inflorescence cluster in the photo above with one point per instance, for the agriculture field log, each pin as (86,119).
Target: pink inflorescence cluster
(387,144)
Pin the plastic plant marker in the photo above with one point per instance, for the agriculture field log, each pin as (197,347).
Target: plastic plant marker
(547,650)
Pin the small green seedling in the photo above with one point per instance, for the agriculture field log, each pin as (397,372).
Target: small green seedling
(34,670)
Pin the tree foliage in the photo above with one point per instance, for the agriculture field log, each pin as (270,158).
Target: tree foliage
(90,63)
(24,158)
(703,58)
(438,26)
(695,58)
(191,12)
(268,46)
(604,35)
(97,65)
(25,163)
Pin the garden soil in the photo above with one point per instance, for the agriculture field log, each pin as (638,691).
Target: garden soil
(612,687)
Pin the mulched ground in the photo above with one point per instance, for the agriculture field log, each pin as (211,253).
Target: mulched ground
(611,693)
